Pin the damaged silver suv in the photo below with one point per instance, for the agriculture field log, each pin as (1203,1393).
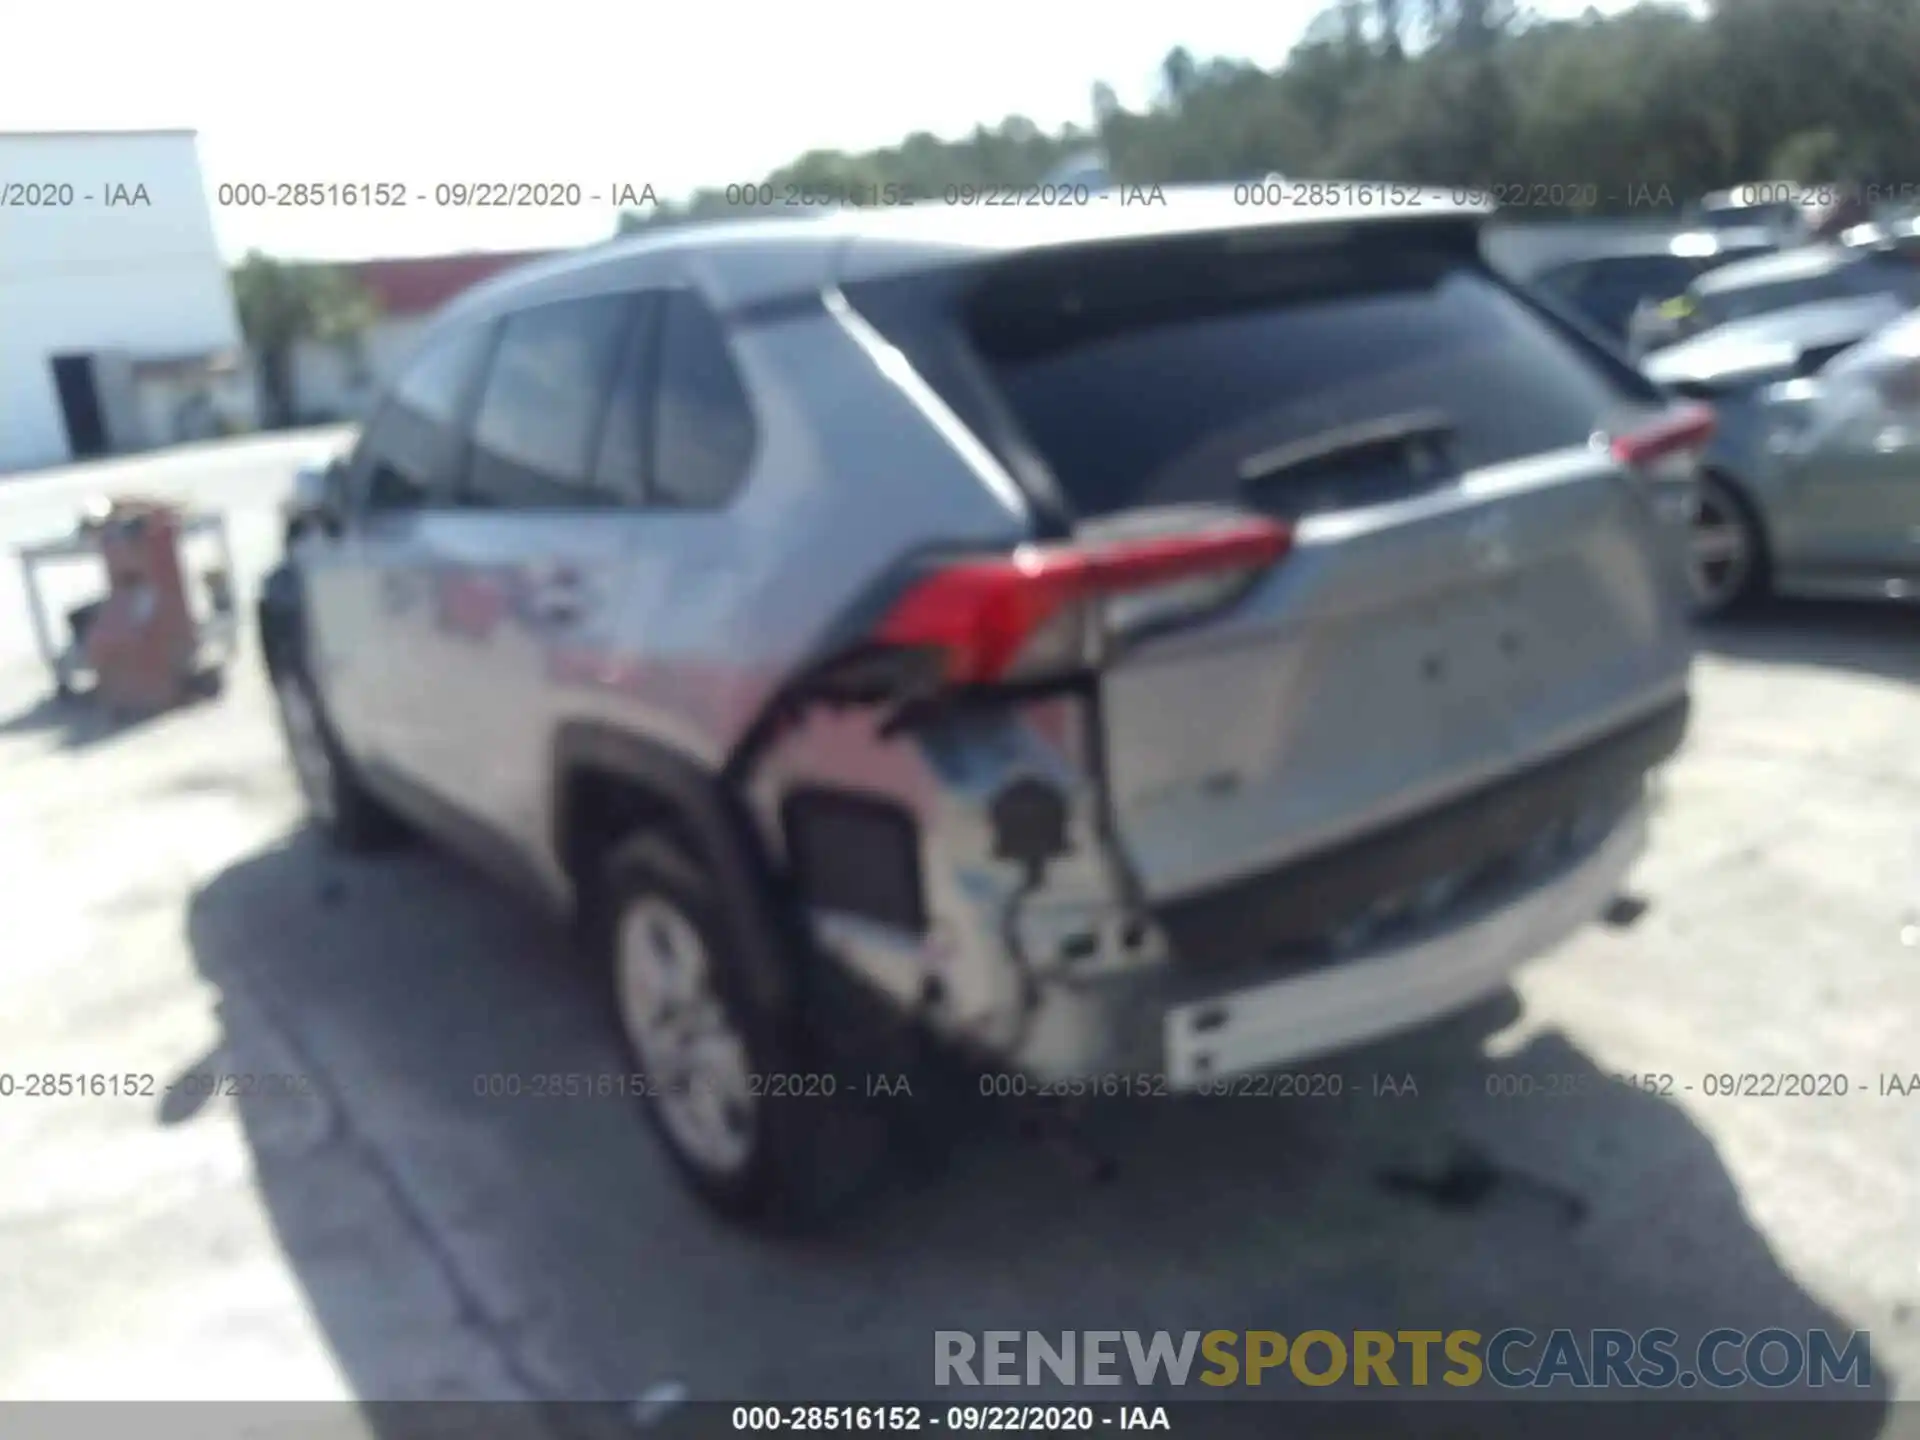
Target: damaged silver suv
(1169,644)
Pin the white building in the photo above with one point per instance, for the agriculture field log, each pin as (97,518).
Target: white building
(117,324)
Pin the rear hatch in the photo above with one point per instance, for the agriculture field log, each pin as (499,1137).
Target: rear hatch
(1476,581)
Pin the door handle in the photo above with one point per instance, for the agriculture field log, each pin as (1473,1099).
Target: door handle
(557,596)
(554,607)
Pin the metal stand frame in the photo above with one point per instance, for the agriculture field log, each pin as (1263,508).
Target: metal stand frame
(218,632)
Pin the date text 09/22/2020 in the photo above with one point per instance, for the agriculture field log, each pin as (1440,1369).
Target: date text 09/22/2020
(949,1419)
(1500,1087)
(1307,1085)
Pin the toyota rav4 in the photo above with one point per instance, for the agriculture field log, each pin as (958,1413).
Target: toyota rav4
(1176,643)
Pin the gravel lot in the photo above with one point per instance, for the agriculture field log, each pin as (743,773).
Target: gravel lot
(389,1234)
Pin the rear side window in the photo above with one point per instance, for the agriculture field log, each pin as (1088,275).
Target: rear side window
(703,430)
(538,423)
(1171,410)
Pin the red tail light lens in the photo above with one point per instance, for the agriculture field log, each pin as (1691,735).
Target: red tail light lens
(982,615)
(1687,429)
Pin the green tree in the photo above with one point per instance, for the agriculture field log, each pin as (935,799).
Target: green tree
(282,303)
(1659,102)
(1177,75)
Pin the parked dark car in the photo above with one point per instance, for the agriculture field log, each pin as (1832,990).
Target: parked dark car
(1607,278)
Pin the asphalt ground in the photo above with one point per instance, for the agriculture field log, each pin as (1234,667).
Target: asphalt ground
(377,1228)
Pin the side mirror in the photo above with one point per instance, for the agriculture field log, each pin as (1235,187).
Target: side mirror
(318,498)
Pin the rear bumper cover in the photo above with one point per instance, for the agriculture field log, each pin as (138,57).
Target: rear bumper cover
(1244,1007)
(1308,1015)
(1286,914)
(1145,1024)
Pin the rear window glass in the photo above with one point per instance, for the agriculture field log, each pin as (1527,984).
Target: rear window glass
(1167,411)
(1609,290)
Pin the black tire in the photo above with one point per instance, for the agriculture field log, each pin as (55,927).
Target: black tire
(339,805)
(808,1154)
(1730,508)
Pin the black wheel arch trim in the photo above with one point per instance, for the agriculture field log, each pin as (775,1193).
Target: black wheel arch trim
(280,612)
(711,816)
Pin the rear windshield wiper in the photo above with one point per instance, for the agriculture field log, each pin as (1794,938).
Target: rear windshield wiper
(1388,435)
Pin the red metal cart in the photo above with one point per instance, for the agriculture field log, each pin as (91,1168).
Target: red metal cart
(155,634)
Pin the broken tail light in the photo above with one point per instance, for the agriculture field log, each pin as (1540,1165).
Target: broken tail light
(1049,609)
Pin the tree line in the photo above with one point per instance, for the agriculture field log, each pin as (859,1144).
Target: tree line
(1594,115)
(1599,115)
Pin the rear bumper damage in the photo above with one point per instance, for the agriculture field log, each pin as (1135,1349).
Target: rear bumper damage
(1152,1024)
(1074,977)
(1373,936)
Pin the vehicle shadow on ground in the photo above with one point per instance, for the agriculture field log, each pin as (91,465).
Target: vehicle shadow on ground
(1840,634)
(80,722)
(549,1234)
(72,721)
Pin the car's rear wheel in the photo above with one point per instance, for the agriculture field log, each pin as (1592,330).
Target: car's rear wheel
(1726,556)
(694,1048)
(760,1130)
(339,805)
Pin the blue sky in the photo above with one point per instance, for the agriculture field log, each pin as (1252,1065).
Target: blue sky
(669,95)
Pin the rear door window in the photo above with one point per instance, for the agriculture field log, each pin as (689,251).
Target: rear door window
(1168,408)
(538,424)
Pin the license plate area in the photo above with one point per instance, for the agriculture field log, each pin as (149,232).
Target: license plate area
(1412,872)
(1287,1019)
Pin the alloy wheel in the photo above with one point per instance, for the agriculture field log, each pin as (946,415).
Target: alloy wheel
(1719,550)
(697,1067)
